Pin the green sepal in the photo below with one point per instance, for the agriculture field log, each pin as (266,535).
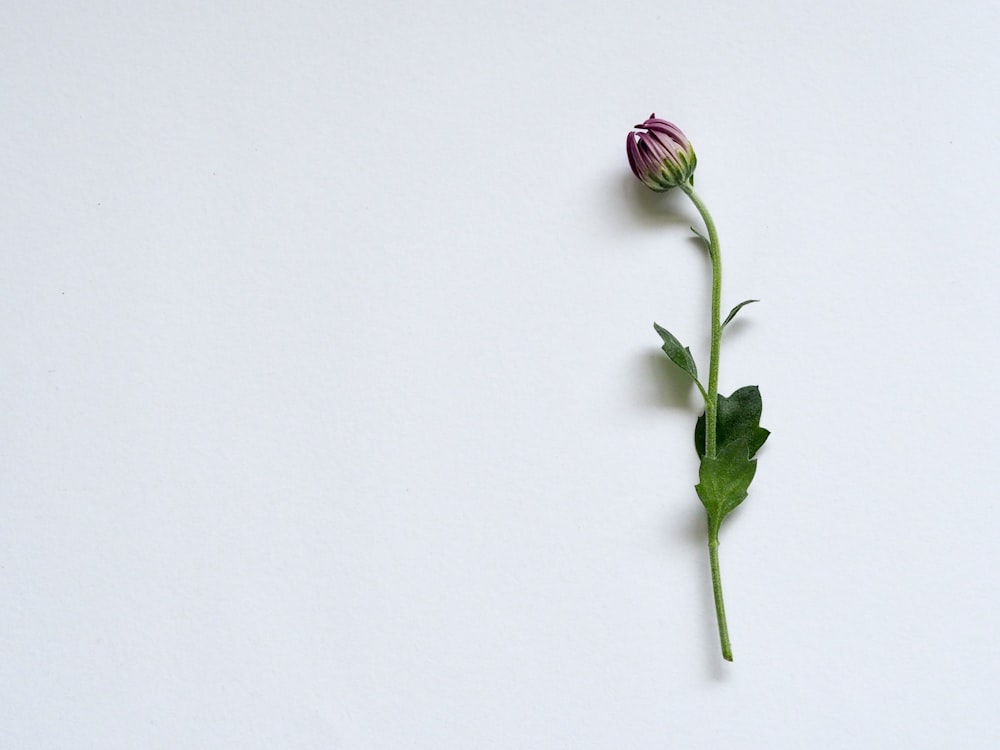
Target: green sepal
(725,479)
(737,419)
(678,354)
(732,313)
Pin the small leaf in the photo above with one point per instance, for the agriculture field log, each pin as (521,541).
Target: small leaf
(701,237)
(679,355)
(732,313)
(737,418)
(725,479)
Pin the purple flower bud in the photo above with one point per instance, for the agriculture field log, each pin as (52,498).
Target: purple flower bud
(661,157)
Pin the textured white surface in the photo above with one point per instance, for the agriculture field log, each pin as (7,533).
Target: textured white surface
(333,417)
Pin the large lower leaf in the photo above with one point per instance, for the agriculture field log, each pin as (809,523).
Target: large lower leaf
(737,418)
(725,479)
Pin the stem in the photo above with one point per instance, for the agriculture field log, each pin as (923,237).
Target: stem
(720,606)
(711,408)
(712,397)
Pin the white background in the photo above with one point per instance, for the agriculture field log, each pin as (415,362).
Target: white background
(333,416)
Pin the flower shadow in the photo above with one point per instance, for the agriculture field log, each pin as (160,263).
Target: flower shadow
(651,209)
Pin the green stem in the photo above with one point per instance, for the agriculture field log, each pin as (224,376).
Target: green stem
(711,408)
(720,606)
(712,397)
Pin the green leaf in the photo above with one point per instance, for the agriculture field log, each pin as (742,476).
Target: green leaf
(737,418)
(725,479)
(732,313)
(701,237)
(679,355)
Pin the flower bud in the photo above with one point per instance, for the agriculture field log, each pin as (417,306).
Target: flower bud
(661,157)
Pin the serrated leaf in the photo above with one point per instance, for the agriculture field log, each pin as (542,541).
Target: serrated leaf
(701,237)
(725,479)
(678,354)
(737,418)
(732,313)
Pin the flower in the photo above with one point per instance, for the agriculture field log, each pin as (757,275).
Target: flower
(661,157)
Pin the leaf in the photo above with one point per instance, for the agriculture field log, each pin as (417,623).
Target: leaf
(725,479)
(701,237)
(732,313)
(679,355)
(737,418)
